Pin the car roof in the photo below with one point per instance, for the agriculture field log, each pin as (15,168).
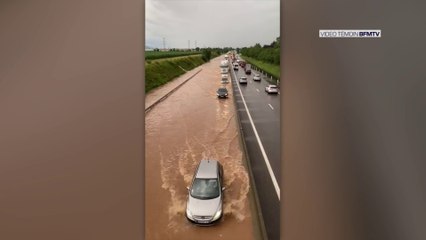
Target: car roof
(207,169)
(272,85)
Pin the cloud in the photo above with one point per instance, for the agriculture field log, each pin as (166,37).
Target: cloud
(212,23)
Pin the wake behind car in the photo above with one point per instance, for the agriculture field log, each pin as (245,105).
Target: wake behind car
(205,197)
(271,89)
(222,92)
(256,77)
(243,80)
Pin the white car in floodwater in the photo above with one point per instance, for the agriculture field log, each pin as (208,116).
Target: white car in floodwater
(205,198)
(224,64)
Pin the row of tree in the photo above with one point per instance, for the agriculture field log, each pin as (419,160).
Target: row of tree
(197,49)
(267,53)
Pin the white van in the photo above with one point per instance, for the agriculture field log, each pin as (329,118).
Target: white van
(224,64)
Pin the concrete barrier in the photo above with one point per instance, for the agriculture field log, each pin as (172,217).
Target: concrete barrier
(170,92)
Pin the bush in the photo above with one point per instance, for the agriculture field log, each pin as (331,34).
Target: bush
(206,55)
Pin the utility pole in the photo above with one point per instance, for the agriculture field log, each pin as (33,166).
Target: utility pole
(189,44)
(195,43)
(164,43)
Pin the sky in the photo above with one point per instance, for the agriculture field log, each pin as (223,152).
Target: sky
(211,23)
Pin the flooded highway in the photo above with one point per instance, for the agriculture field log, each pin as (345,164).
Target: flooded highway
(190,125)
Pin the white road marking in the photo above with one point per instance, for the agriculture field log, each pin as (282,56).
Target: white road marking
(265,157)
(271,106)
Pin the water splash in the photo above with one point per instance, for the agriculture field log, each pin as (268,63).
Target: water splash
(178,168)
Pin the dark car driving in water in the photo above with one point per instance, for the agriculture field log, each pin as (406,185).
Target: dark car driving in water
(222,92)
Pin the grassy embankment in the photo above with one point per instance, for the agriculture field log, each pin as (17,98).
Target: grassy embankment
(163,70)
(159,72)
(271,69)
(152,55)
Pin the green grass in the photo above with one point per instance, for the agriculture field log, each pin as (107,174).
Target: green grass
(151,55)
(159,72)
(271,69)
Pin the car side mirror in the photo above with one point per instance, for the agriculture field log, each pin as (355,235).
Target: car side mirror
(223,189)
(187,188)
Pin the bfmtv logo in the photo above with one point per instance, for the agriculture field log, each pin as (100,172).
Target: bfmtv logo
(370,33)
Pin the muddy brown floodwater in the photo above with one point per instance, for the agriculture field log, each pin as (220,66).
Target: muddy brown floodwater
(192,124)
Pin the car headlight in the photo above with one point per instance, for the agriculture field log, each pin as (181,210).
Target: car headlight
(188,213)
(218,213)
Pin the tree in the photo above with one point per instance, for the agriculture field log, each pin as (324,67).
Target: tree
(277,43)
(267,53)
(206,55)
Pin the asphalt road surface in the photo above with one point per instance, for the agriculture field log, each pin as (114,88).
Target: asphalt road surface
(261,129)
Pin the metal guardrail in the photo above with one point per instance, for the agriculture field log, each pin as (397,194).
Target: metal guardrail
(268,76)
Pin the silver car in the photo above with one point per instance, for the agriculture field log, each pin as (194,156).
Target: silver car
(243,80)
(204,205)
(256,77)
(271,89)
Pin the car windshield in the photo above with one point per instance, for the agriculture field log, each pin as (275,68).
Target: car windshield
(243,78)
(272,86)
(222,90)
(205,188)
